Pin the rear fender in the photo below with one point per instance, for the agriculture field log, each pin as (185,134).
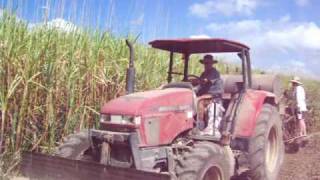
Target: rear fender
(249,110)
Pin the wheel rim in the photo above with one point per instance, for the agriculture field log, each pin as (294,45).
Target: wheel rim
(213,173)
(272,150)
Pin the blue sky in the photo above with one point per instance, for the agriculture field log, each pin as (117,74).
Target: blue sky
(284,35)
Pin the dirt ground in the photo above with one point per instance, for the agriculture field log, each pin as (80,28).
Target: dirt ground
(304,165)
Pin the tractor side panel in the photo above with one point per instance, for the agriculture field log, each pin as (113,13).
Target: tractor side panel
(175,124)
(163,128)
(248,112)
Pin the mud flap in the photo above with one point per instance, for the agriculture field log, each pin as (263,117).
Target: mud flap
(40,166)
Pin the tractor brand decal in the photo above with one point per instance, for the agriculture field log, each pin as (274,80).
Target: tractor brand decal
(133,97)
(174,108)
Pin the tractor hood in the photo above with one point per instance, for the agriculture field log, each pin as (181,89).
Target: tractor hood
(151,102)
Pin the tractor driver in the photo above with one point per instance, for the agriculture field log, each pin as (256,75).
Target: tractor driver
(211,83)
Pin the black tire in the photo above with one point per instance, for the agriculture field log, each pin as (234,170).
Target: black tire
(266,148)
(206,161)
(74,146)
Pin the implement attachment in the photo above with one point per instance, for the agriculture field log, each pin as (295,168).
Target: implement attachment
(40,166)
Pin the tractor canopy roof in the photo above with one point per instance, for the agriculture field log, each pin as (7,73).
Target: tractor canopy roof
(192,46)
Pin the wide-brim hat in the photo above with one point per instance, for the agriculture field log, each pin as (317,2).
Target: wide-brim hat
(208,59)
(296,79)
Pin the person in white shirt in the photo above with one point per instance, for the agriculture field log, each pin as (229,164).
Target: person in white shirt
(300,98)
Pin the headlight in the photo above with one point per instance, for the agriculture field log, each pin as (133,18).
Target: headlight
(137,120)
(104,118)
(120,119)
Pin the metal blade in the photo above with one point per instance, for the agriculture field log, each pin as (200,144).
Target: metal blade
(45,167)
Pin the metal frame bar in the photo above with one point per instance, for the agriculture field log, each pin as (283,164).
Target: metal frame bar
(244,68)
(186,64)
(248,69)
(170,67)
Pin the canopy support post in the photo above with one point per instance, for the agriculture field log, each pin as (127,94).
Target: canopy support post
(170,67)
(186,64)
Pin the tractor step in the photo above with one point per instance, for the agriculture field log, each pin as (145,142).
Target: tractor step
(40,166)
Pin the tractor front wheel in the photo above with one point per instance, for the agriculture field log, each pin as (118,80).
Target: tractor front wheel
(205,161)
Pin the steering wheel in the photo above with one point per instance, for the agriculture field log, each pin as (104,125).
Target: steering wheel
(191,76)
(195,80)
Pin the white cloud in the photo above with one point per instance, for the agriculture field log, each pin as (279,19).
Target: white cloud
(285,18)
(226,7)
(302,3)
(199,36)
(62,25)
(293,68)
(59,24)
(290,45)
(240,27)
(202,10)
(138,21)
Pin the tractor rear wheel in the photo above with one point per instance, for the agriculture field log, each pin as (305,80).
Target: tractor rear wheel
(205,161)
(266,148)
(74,146)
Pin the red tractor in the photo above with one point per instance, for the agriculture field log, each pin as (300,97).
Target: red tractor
(154,133)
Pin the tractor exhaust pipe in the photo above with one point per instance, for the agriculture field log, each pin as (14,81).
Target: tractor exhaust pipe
(130,78)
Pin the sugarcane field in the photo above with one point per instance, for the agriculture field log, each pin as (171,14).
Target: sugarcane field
(159,90)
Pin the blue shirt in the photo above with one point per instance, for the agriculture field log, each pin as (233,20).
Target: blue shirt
(215,86)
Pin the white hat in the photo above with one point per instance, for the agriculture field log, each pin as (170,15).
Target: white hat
(296,79)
